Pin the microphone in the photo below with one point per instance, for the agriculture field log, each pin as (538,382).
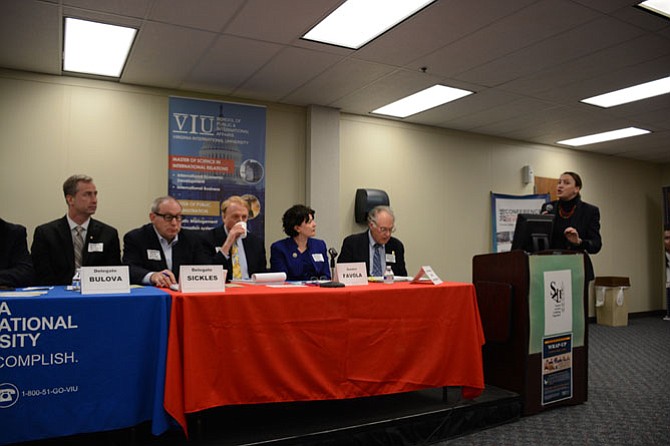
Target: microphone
(333,253)
(549,209)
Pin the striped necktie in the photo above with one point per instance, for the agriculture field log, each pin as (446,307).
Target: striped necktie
(78,246)
(377,261)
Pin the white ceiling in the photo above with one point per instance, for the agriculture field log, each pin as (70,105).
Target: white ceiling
(528,61)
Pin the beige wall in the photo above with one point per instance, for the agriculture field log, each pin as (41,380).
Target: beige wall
(439,181)
(439,184)
(53,127)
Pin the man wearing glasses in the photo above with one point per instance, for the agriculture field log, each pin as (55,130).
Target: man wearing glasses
(376,247)
(155,251)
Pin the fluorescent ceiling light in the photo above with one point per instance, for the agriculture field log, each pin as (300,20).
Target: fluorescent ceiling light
(658,6)
(356,22)
(631,94)
(423,100)
(606,136)
(96,48)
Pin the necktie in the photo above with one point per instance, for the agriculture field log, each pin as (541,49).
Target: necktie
(78,246)
(237,271)
(377,261)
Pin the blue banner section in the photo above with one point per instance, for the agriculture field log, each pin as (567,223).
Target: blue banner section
(216,149)
(73,364)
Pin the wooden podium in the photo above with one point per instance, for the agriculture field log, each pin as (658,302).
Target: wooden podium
(504,292)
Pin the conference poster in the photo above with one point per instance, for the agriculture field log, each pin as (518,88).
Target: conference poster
(216,149)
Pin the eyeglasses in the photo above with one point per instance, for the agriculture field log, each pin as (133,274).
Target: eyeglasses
(169,217)
(384,230)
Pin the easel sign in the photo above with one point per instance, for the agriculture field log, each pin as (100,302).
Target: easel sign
(426,275)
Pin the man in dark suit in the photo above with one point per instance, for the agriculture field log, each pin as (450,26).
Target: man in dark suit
(16,266)
(241,252)
(376,247)
(155,251)
(61,246)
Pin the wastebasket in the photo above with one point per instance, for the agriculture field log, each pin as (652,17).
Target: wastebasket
(612,300)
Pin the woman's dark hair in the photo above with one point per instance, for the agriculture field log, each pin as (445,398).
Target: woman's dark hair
(295,216)
(576,177)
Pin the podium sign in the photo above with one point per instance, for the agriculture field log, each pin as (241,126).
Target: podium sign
(555,299)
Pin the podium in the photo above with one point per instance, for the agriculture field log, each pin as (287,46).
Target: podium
(533,312)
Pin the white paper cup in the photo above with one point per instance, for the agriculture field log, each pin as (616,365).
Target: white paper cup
(242,224)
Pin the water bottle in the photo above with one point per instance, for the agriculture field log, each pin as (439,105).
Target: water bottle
(388,275)
(76,280)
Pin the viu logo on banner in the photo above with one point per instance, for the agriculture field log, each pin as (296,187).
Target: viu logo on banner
(557,302)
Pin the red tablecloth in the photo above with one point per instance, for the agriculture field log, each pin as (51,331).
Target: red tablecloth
(256,344)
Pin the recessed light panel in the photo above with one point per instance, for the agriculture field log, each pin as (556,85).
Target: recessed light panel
(423,100)
(631,94)
(661,7)
(356,22)
(606,136)
(96,48)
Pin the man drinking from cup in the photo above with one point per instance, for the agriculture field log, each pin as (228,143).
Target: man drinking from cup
(239,251)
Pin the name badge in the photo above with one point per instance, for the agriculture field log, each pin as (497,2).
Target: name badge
(105,280)
(318,257)
(202,279)
(153,254)
(390,258)
(351,273)
(95,247)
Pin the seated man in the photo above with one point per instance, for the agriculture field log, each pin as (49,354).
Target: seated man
(16,266)
(63,245)
(155,251)
(239,251)
(375,246)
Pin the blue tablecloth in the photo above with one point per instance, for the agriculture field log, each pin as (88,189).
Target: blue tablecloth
(71,364)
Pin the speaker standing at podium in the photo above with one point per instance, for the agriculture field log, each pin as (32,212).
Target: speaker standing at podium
(576,223)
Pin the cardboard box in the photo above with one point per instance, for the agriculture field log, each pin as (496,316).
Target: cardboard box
(611,295)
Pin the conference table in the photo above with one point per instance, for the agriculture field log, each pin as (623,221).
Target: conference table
(258,344)
(73,364)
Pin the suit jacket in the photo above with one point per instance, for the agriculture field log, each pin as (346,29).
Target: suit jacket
(189,250)
(356,248)
(285,257)
(53,252)
(586,220)
(16,266)
(254,251)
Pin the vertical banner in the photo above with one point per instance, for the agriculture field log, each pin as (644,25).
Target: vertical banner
(216,149)
(504,209)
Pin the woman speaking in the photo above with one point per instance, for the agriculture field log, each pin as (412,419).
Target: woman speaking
(576,223)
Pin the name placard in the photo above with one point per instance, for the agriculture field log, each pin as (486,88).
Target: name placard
(202,278)
(426,275)
(352,273)
(105,279)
